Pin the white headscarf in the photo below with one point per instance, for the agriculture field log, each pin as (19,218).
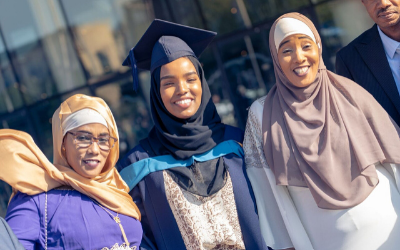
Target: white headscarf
(82,117)
(289,26)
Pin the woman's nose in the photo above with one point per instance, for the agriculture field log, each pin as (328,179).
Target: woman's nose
(94,148)
(299,56)
(182,87)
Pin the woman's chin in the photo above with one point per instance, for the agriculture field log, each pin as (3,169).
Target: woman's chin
(302,82)
(90,173)
(186,114)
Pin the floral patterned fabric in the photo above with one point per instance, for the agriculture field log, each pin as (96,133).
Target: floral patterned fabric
(253,143)
(205,222)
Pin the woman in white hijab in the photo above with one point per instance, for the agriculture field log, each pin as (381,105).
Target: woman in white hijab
(321,153)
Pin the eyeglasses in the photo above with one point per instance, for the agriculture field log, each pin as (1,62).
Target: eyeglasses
(84,140)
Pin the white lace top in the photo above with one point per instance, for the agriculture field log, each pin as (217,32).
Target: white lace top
(289,216)
(205,222)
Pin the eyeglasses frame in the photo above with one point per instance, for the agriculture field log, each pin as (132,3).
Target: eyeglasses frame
(94,139)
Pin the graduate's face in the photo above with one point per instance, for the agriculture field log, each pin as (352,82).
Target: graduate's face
(180,88)
(89,161)
(298,57)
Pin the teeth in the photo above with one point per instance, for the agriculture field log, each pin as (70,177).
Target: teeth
(91,161)
(183,101)
(301,70)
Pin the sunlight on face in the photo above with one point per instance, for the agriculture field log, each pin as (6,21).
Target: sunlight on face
(298,57)
(88,162)
(180,88)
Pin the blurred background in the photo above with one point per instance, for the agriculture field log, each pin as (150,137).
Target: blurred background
(52,49)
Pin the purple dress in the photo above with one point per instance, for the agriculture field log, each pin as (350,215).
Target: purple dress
(74,221)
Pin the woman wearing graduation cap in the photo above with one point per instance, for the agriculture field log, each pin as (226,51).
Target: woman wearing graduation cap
(187,177)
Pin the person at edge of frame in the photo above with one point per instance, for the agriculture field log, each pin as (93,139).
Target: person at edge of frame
(322,155)
(373,59)
(8,240)
(79,201)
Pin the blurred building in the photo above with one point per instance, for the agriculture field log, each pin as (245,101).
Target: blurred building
(52,49)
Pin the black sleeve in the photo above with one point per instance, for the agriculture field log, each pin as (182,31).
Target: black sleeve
(131,157)
(233,133)
(148,242)
(341,68)
(124,162)
(137,194)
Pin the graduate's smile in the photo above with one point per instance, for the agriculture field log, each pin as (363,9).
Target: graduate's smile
(184,103)
(180,88)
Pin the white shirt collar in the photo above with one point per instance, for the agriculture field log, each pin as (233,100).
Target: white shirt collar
(389,44)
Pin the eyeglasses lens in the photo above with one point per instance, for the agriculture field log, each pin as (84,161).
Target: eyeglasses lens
(85,140)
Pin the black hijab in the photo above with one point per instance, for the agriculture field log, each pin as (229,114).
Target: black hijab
(183,138)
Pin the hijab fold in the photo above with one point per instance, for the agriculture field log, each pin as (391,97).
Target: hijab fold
(27,169)
(183,138)
(326,136)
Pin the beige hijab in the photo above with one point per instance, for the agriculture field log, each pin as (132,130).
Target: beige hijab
(26,168)
(326,136)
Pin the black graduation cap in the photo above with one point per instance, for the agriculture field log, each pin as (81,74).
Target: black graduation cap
(164,42)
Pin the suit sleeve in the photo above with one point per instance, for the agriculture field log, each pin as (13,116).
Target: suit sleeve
(24,219)
(341,68)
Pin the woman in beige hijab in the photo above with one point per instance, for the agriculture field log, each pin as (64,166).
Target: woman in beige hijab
(321,154)
(79,201)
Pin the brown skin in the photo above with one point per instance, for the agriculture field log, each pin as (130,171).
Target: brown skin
(180,82)
(386,14)
(299,52)
(77,157)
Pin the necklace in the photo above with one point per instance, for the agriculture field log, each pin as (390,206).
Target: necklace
(116,219)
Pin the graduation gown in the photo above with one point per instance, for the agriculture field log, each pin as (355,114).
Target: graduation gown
(161,230)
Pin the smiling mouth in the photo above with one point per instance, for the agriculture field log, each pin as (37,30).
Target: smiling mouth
(91,163)
(301,71)
(184,103)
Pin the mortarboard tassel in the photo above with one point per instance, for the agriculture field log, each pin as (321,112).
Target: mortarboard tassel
(131,61)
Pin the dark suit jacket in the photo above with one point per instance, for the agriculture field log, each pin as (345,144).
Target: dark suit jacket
(364,61)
